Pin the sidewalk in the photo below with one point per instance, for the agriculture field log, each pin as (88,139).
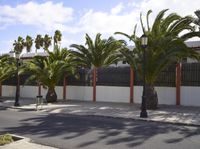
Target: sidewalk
(165,113)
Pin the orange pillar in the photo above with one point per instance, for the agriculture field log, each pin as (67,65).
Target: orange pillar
(131,85)
(94,85)
(178,83)
(64,87)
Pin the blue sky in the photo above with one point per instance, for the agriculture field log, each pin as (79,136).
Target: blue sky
(77,17)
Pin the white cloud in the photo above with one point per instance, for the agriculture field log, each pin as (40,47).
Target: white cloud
(109,22)
(117,9)
(186,7)
(66,42)
(93,22)
(48,15)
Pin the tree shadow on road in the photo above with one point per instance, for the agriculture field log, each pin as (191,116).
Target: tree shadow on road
(90,130)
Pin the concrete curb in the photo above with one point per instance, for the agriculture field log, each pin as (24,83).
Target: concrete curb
(20,108)
(140,119)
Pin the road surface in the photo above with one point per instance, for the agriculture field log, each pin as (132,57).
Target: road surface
(87,132)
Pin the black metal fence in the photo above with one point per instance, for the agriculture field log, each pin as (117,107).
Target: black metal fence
(190,74)
(120,76)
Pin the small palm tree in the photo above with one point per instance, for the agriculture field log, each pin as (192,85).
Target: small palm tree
(166,45)
(50,70)
(7,67)
(28,43)
(96,54)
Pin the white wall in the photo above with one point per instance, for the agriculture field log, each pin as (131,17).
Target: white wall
(137,94)
(8,91)
(79,92)
(166,95)
(59,91)
(28,91)
(43,92)
(190,96)
(113,94)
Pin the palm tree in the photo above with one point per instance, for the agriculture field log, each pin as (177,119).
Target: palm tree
(18,45)
(166,45)
(38,42)
(50,70)
(197,20)
(96,54)
(57,38)
(7,67)
(28,43)
(47,42)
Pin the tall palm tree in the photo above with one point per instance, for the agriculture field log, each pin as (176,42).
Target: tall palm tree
(28,43)
(50,70)
(18,45)
(47,42)
(38,42)
(57,38)
(96,54)
(166,45)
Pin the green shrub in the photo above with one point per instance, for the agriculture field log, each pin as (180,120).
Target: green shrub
(5,139)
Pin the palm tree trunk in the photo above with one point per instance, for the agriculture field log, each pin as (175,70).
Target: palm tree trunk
(151,97)
(131,85)
(94,84)
(178,83)
(51,95)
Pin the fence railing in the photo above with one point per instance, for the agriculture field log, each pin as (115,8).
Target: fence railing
(190,74)
(120,76)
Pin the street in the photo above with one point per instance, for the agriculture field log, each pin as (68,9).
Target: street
(93,132)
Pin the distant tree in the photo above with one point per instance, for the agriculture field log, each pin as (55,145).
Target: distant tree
(57,38)
(18,45)
(47,42)
(38,42)
(28,43)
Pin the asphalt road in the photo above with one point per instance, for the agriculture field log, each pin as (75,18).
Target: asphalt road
(87,132)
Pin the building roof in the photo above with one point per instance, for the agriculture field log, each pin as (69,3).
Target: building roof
(30,55)
(194,44)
